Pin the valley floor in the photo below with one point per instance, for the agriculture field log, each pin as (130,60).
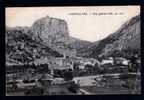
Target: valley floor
(95,84)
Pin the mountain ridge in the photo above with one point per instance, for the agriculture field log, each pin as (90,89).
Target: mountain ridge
(123,39)
(28,43)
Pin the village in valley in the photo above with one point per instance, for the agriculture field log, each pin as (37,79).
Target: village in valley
(45,60)
(78,75)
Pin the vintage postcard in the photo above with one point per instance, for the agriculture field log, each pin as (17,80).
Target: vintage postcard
(72,50)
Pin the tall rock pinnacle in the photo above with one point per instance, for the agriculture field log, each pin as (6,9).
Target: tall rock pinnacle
(50,30)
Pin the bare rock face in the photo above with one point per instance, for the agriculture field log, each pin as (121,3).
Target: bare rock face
(54,33)
(50,30)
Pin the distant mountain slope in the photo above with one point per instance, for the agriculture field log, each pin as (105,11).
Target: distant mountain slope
(86,50)
(127,38)
(78,44)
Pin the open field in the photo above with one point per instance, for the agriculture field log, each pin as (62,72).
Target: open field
(96,84)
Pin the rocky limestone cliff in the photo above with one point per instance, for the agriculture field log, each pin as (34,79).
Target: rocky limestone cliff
(54,33)
(50,30)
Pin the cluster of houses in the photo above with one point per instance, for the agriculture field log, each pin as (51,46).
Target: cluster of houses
(80,63)
(58,66)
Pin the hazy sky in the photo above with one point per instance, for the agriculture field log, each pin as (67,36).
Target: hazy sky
(90,23)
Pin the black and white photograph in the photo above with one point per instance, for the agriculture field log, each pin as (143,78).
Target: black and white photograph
(72,50)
